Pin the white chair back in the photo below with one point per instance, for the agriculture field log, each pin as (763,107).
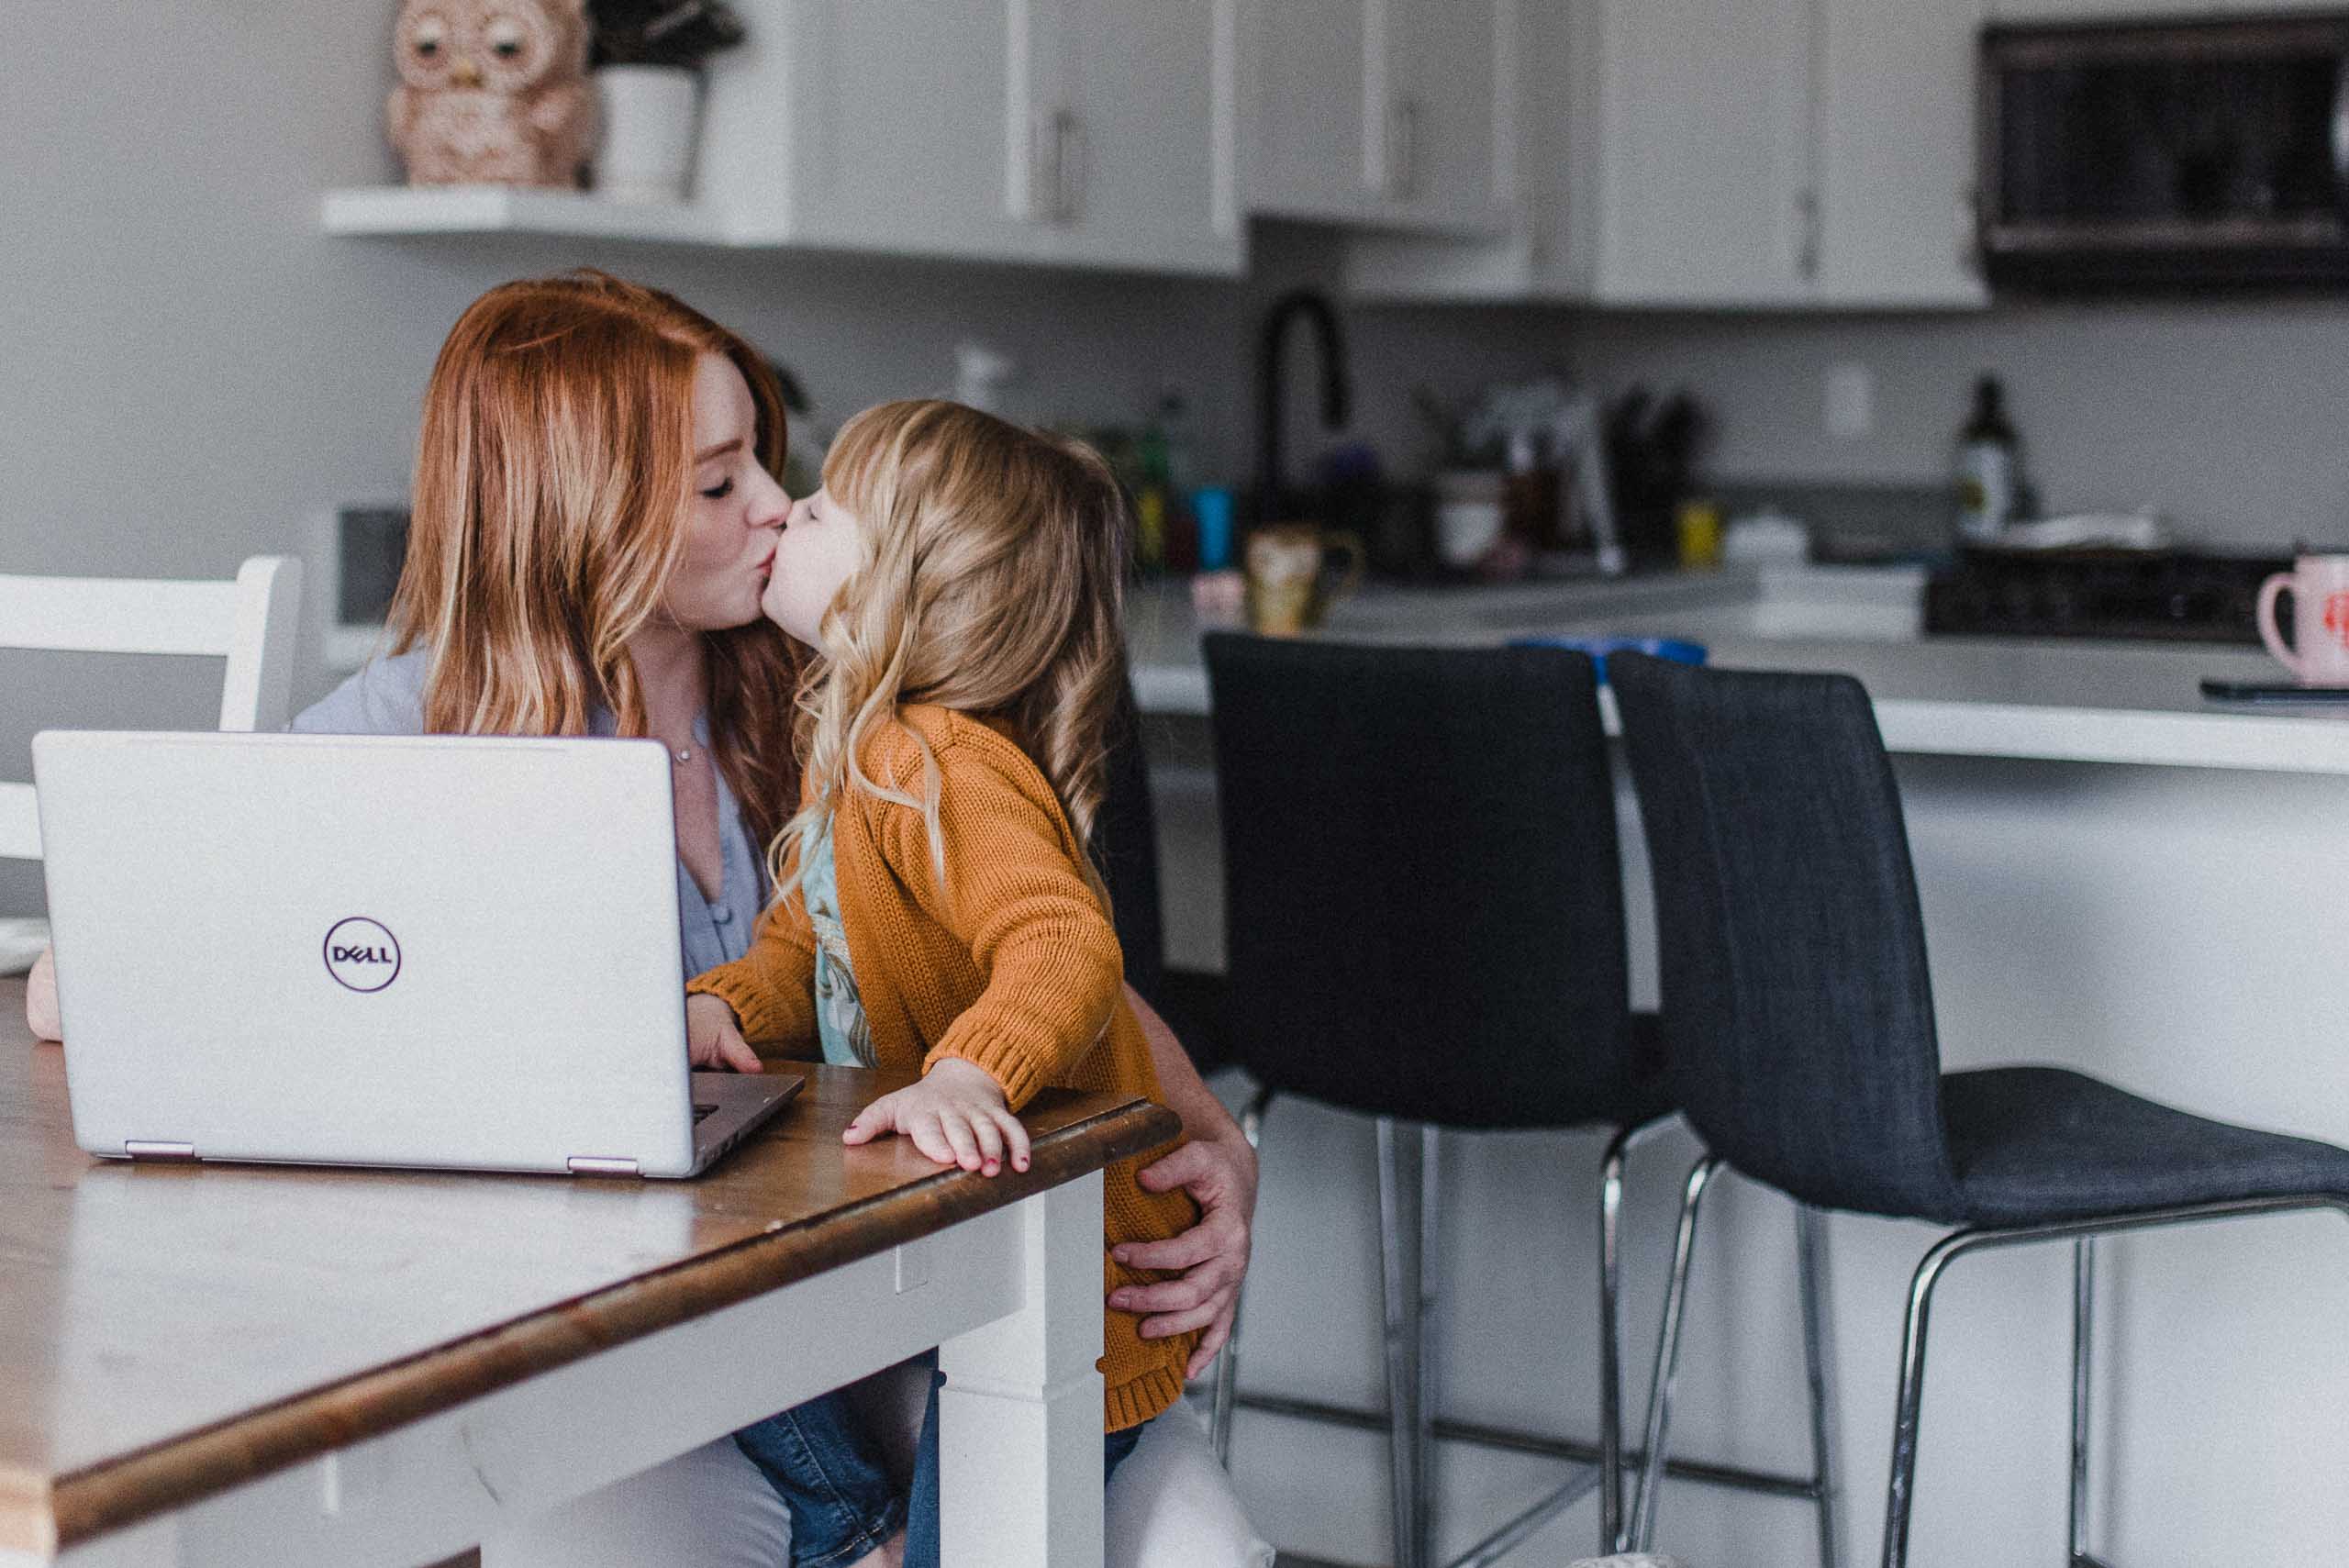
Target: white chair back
(250,622)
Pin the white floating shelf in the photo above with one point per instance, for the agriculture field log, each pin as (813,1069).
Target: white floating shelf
(508,209)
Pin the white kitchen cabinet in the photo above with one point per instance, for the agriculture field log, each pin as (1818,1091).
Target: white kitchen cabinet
(1451,161)
(1897,154)
(1664,158)
(1729,154)
(1707,191)
(1306,155)
(1546,169)
(1082,131)
(1140,140)
(1383,113)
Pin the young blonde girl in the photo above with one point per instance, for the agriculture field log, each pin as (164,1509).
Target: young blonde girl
(938,911)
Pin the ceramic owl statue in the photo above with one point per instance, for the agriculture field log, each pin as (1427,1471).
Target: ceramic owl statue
(493,92)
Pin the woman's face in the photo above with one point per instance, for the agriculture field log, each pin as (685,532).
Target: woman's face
(734,512)
(821,547)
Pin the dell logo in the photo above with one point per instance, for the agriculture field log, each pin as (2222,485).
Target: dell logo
(363,955)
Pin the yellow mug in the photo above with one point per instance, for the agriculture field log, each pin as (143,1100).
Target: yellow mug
(1289,584)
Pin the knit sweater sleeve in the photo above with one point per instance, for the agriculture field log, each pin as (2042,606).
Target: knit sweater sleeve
(771,987)
(1049,957)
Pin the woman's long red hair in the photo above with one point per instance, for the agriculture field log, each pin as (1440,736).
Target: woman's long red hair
(553,481)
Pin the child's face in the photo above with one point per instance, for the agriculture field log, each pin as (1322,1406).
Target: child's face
(822,545)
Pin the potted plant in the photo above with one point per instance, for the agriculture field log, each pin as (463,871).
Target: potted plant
(648,59)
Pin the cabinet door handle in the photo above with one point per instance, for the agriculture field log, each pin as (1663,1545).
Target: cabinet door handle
(1806,214)
(1044,166)
(1068,166)
(1969,230)
(1056,166)
(1403,148)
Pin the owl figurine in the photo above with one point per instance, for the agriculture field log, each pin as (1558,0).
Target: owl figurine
(493,92)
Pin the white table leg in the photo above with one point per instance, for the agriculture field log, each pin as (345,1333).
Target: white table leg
(1019,1418)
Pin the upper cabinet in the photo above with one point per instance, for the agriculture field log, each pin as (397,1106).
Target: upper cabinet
(1898,192)
(1093,132)
(1728,154)
(1451,124)
(1383,113)
(1147,104)
(1697,154)
(1706,189)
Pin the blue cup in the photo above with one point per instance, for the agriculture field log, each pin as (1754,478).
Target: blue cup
(1212,508)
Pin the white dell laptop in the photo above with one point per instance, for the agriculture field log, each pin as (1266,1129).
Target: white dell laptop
(377,950)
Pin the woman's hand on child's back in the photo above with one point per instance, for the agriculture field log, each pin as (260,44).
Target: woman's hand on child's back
(956,1115)
(714,1039)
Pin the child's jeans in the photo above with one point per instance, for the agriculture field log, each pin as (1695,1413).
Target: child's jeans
(819,1459)
(921,1517)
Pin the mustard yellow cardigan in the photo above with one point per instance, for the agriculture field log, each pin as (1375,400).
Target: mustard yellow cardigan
(1012,965)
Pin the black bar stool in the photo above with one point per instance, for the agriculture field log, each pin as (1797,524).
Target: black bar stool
(1799,1027)
(1423,901)
(1125,843)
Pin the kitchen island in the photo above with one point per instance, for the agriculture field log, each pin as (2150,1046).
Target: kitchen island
(2117,877)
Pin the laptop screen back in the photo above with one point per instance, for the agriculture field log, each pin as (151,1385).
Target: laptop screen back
(401,951)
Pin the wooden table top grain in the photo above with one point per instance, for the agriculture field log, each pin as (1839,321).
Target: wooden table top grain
(169,1331)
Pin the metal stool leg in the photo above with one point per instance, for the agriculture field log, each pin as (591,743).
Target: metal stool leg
(1226,1366)
(2081,1233)
(1423,1338)
(2083,1332)
(1900,1492)
(1810,1248)
(1612,1538)
(1400,1298)
(1667,1356)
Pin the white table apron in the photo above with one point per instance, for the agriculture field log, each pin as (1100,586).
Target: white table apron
(1011,1298)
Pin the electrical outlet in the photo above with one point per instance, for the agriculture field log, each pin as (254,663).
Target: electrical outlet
(1850,401)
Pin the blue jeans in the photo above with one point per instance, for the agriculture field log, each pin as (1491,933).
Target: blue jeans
(821,1462)
(922,1516)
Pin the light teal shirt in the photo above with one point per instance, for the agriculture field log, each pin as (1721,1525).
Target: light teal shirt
(839,1008)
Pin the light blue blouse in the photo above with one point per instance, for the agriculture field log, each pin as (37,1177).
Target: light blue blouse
(386,697)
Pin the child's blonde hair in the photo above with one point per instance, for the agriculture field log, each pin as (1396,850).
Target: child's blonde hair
(992,582)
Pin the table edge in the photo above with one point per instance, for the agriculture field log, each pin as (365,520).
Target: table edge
(49,1514)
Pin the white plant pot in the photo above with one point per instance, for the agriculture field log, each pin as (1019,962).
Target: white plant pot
(1469,514)
(651,114)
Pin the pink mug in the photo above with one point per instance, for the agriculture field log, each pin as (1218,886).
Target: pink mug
(2319,653)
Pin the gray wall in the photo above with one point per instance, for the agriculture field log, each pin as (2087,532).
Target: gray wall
(2228,417)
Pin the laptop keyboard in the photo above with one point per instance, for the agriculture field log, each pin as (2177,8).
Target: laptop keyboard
(702,1113)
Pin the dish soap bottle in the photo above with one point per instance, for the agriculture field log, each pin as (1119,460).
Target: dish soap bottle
(1986,479)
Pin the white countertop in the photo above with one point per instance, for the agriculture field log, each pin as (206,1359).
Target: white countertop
(2089,701)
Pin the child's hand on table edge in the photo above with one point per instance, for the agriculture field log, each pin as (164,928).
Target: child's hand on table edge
(956,1115)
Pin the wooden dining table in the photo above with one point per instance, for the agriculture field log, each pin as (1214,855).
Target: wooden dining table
(208,1365)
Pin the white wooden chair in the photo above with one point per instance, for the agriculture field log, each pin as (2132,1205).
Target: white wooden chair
(250,622)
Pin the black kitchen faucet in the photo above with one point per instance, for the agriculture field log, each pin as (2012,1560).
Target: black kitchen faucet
(1275,500)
